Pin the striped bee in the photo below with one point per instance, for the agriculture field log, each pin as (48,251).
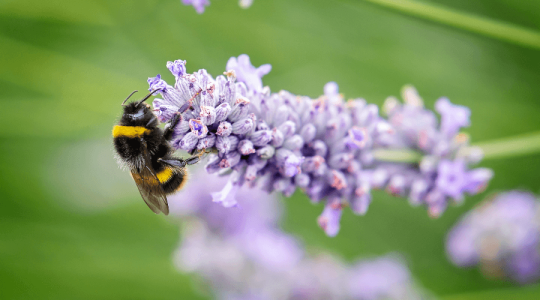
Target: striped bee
(144,149)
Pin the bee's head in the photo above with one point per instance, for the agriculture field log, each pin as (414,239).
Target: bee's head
(137,113)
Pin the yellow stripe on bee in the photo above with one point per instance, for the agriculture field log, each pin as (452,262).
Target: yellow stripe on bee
(129,131)
(164,175)
(184,180)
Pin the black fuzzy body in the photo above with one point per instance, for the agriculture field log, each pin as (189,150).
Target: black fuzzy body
(139,142)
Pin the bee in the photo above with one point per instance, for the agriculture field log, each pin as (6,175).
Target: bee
(145,150)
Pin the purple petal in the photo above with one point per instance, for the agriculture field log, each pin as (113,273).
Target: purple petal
(227,196)
(329,219)
(177,67)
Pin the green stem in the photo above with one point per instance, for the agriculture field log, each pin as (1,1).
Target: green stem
(397,155)
(501,148)
(513,146)
(495,29)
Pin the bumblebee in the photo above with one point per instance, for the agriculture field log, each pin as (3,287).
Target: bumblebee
(145,150)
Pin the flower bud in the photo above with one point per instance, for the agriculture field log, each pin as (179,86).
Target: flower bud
(230,160)
(277,138)
(224,144)
(208,115)
(245,147)
(224,129)
(266,152)
(207,142)
(243,126)
(188,142)
(319,147)
(302,180)
(308,132)
(222,112)
(288,128)
(240,110)
(294,143)
(261,137)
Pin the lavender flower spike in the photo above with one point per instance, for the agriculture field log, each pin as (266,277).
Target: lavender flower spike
(199,5)
(325,146)
(502,235)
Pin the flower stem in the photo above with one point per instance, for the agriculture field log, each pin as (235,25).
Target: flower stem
(492,28)
(397,155)
(512,146)
(500,148)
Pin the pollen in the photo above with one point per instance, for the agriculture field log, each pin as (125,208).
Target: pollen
(338,182)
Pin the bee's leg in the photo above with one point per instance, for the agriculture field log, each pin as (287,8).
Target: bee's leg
(180,162)
(188,103)
(151,121)
(169,128)
(196,157)
(193,160)
(173,161)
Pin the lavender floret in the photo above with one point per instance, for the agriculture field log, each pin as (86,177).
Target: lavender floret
(242,127)
(261,137)
(329,219)
(224,129)
(177,67)
(453,117)
(198,128)
(245,147)
(266,152)
(207,142)
(188,142)
(222,111)
(247,73)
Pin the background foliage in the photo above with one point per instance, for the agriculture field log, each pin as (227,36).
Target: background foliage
(73,224)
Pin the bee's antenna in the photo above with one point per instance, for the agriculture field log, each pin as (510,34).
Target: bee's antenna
(129,97)
(146,97)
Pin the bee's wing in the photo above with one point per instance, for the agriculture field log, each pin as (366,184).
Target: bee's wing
(150,187)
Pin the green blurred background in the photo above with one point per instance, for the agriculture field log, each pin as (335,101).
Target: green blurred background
(73,225)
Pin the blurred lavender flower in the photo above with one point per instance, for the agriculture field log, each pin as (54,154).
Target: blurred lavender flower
(280,141)
(199,5)
(245,3)
(443,173)
(502,235)
(242,253)
(382,278)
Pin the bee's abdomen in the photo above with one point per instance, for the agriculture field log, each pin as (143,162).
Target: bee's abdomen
(172,179)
